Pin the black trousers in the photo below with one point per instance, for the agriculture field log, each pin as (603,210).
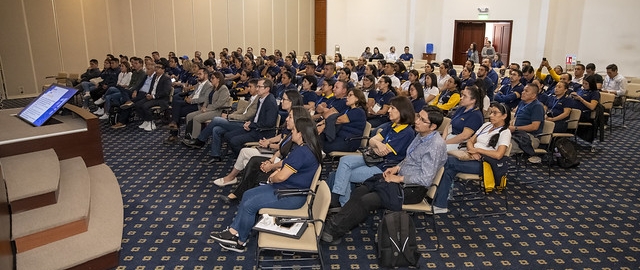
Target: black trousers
(354,212)
(252,176)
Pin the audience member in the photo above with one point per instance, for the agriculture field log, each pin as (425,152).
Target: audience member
(337,129)
(217,100)
(557,107)
(467,118)
(449,96)
(510,93)
(158,95)
(615,83)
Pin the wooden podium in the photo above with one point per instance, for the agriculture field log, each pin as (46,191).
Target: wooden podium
(78,134)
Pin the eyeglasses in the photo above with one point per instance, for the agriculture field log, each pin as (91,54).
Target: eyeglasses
(424,121)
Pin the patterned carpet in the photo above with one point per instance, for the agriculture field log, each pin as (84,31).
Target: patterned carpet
(586,217)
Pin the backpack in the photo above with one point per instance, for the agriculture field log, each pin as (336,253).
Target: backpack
(397,245)
(116,115)
(565,153)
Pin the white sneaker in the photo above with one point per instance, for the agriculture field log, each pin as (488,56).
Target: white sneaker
(87,95)
(535,159)
(104,116)
(438,210)
(99,112)
(144,125)
(99,101)
(150,127)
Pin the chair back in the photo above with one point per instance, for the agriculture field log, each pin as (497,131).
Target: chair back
(547,130)
(574,117)
(314,182)
(431,193)
(633,90)
(365,135)
(445,124)
(606,99)
(320,207)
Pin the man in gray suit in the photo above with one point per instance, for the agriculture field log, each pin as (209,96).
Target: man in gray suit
(182,105)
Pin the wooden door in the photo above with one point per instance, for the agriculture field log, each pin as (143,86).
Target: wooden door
(502,40)
(466,32)
(320,28)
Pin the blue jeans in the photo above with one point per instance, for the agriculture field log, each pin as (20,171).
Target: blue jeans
(216,130)
(451,168)
(255,199)
(113,96)
(351,169)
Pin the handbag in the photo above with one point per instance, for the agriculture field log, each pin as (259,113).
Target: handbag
(370,157)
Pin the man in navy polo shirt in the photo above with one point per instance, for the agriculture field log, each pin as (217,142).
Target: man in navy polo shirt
(529,117)
(509,94)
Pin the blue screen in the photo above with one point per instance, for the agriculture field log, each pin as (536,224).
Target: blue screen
(45,105)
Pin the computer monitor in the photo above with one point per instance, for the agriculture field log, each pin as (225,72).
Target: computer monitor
(46,104)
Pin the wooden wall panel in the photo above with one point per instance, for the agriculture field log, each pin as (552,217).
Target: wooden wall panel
(70,31)
(251,21)
(16,57)
(185,36)
(279,26)
(144,33)
(120,25)
(305,23)
(164,23)
(44,40)
(96,29)
(265,22)
(220,26)
(202,26)
(236,24)
(292,21)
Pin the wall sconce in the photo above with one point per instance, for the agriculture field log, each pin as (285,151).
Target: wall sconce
(483,10)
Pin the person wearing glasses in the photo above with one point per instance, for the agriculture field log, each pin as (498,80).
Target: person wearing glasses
(338,128)
(158,95)
(426,154)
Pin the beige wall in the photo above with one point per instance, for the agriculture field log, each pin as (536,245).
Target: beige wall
(41,38)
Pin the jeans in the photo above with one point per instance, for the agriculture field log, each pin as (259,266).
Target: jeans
(113,96)
(351,169)
(256,199)
(451,168)
(216,129)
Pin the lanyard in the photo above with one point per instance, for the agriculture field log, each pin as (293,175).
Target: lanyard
(419,142)
(483,132)
(521,109)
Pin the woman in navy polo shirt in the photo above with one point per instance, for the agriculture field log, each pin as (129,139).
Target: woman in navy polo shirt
(586,99)
(377,113)
(391,144)
(557,107)
(467,119)
(416,94)
(297,172)
(348,125)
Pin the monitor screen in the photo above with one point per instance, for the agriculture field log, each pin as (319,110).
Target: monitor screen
(47,104)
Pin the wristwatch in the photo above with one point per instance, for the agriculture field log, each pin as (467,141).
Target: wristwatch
(516,128)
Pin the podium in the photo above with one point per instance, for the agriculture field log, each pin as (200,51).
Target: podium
(77,134)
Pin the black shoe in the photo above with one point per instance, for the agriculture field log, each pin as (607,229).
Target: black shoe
(227,200)
(212,160)
(235,247)
(329,238)
(224,237)
(197,144)
(171,140)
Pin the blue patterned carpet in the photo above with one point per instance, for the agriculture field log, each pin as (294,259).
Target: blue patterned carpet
(583,218)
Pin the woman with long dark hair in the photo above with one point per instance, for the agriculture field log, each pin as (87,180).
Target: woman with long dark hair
(467,118)
(347,125)
(492,139)
(297,172)
(391,144)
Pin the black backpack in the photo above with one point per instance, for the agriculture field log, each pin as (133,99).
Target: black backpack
(397,245)
(116,115)
(565,153)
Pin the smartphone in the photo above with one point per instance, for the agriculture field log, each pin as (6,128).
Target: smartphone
(544,59)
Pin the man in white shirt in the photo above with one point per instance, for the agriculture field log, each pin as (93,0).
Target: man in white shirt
(391,55)
(615,83)
(578,74)
(390,71)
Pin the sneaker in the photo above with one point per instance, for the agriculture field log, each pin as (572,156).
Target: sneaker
(535,159)
(150,127)
(87,95)
(99,101)
(438,210)
(144,124)
(118,125)
(224,237)
(220,182)
(99,111)
(235,247)
(104,116)
(126,105)
(171,140)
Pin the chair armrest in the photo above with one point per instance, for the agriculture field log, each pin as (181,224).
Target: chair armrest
(356,138)
(292,192)
(543,134)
